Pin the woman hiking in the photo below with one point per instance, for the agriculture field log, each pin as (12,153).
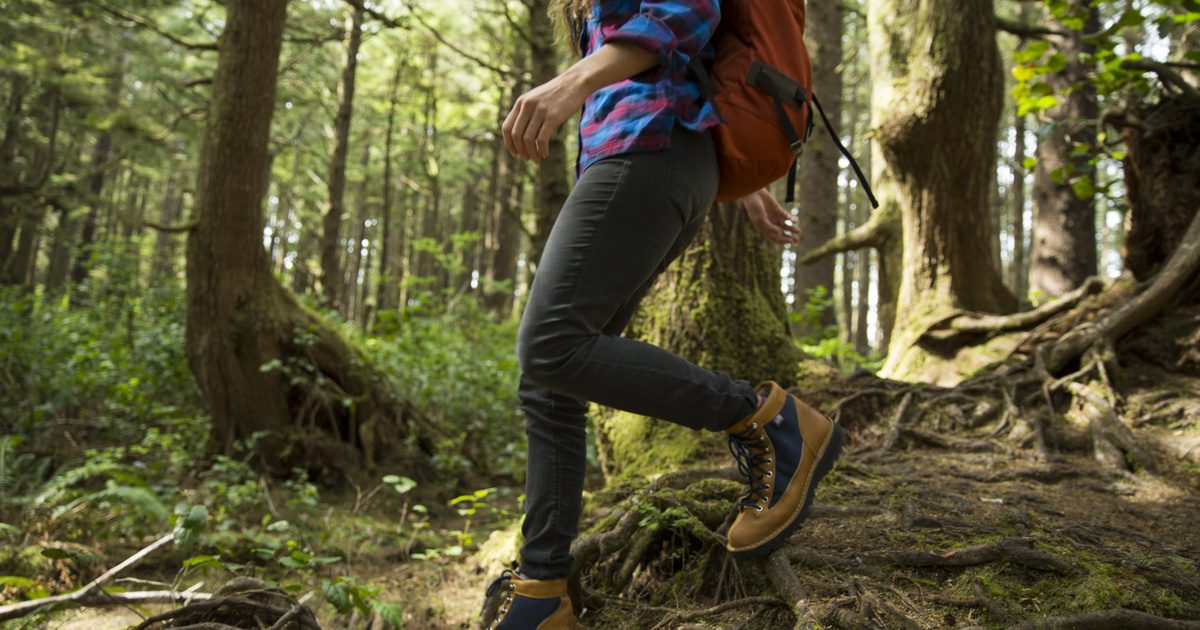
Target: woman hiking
(647,174)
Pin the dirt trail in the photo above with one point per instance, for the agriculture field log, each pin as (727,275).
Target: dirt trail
(919,538)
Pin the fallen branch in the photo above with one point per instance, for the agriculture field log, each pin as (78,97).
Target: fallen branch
(86,595)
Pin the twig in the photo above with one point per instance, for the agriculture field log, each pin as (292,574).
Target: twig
(20,609)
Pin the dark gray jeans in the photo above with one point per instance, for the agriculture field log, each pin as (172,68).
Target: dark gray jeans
(627,218)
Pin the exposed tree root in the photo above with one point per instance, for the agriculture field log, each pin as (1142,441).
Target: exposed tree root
(1018,550)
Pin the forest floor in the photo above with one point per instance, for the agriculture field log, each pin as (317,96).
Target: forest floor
(928,538)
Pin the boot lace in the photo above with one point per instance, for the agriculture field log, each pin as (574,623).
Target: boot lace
(510,589)
(752,451)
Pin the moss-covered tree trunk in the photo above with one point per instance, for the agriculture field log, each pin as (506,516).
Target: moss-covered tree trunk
(263,362)
(721,306)
(936,100)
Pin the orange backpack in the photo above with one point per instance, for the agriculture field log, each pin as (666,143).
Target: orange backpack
(760,84)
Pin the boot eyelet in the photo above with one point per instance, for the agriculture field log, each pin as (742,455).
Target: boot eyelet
(769,460)
(753,426)
(758,508)
(762,438)
(770,473)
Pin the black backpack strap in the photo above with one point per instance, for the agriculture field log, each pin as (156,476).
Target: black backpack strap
(706,85)
(862,179)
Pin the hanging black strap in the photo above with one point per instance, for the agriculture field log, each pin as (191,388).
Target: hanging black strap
(862,179)
(706,85)
(791,183)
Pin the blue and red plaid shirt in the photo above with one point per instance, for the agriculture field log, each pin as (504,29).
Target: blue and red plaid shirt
(638,114)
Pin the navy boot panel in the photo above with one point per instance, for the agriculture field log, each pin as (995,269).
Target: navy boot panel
(788,447)
(527,612)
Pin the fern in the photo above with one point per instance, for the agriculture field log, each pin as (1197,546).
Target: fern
(141,499)
(56,489)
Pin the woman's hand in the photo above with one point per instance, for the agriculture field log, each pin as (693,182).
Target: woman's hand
(770,218)
(539,113)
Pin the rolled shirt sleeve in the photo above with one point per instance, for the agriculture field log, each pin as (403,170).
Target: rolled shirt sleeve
(674,30)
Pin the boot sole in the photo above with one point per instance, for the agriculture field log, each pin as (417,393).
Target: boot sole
(832,450)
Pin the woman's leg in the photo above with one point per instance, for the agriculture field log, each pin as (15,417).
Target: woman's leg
(626,220)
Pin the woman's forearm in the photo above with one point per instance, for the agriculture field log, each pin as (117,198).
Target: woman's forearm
(612,62)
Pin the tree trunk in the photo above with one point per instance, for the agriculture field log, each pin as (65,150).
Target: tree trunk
(1019,267)
(1162,179)
(9,218)
(862,343)
(551,187)
(936,104)
(172,213)
(387,292)
(272,373)
(332,246)
(505,225)
(818,176)
(100,158)
(719,306)
(349,285)
(1064,229)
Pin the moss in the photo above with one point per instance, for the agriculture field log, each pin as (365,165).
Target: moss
(637,447)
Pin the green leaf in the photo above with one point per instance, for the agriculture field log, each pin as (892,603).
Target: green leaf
(337,593)
(202,561)
(1084,187)
(1022,73)
(1029,163)
(392,614)
(55,554)
(16,581)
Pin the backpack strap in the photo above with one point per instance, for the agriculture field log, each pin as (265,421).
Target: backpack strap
(706,85)
(862,179)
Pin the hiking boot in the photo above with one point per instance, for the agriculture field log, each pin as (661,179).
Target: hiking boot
(530,604)
(785,448)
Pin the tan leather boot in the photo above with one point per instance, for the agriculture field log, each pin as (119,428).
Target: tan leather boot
(532,604)
(784,448)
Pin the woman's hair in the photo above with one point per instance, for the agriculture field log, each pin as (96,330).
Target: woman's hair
(569,16)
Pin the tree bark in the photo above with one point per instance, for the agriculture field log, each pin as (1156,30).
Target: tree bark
(271,372)
(720,306)
(332,246)
(8,155)
(1019,266)
(386,294)
(100,158)
(506,227)
(1064,230)
(818,170)
(1162,179)
(936,104)
(550,187)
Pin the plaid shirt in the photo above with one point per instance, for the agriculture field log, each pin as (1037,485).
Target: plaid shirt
(638,114)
